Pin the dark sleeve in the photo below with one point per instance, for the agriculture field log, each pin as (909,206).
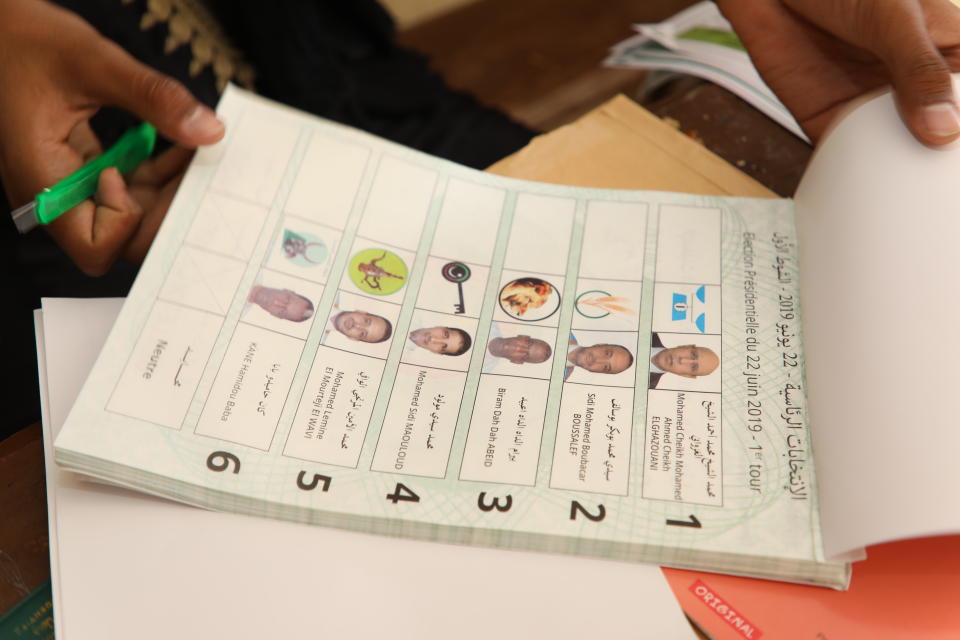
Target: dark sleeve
(654,379)
(655,341)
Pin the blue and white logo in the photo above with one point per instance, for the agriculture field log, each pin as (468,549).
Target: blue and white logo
(683,308)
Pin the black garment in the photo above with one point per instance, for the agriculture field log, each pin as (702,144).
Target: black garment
(334,58)
(338,59)
(654,379)
(655,342)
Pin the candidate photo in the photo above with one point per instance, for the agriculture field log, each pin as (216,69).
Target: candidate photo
(523,351)
(360,325)
(281,303)
(687,361)
(600,358)
(363,326)
(520,349)
(446,341)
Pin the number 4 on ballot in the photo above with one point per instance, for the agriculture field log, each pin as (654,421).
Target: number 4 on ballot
(693,523)
(404,493)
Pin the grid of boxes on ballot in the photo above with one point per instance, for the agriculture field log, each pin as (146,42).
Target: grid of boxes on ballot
(428,306)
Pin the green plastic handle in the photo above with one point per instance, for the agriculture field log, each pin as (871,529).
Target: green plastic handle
(131,149)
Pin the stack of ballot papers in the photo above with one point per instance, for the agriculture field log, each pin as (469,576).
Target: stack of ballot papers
(333,329)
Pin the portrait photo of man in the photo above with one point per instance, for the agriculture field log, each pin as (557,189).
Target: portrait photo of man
(604,358)
(686,361)
(446,341)
(363,326)
(281,303)
(520,349)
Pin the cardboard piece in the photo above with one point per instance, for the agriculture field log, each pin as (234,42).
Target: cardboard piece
(621,145)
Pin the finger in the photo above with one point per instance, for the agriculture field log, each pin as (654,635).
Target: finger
(943,21)
(896,32)
(94,232)
(158,171)
(120,80)
(136,248)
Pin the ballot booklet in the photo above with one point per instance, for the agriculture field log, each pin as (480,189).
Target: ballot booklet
(334,329)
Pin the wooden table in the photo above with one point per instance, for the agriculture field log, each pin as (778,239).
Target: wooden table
(24,552)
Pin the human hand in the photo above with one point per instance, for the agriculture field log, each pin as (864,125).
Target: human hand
(818,55)
(56,72)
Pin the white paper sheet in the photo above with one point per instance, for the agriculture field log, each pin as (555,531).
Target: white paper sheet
(877,219)
(127,565)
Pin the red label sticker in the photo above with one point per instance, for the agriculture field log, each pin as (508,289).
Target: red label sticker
(720,607)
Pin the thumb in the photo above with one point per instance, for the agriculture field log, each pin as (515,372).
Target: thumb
(924,91)
(919,74)
(120,80)
(897,33)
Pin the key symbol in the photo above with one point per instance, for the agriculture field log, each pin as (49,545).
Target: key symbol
(458,273)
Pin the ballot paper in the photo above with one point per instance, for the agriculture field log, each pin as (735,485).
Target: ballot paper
(330,328)
(125,565)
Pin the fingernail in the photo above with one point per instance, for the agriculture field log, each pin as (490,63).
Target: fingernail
(202,123)
(942,119)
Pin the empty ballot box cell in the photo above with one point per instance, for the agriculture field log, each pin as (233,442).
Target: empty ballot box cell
(227,225)
(255,177)
(328,181)
(540,234)
(398,203)
(469,221)
(688,245)
(614,237)
(202,280)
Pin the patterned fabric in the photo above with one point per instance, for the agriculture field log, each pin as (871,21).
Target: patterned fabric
(189,22)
